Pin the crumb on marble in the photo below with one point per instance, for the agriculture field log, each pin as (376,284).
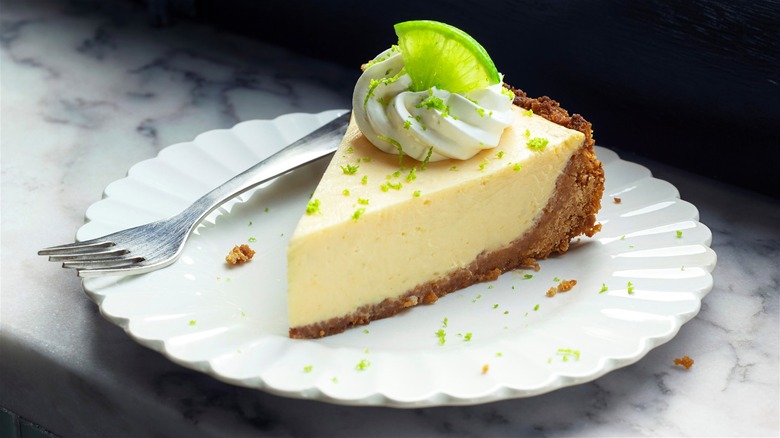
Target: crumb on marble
(617,200)
(240,254)
(685,361)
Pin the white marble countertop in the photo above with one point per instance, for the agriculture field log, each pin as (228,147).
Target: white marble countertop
(89,90)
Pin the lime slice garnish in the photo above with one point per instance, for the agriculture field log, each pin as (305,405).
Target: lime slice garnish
(440,55)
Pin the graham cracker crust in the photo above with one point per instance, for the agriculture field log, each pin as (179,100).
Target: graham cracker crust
(570,212)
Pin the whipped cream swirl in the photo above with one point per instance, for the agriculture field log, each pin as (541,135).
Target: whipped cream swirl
(433,124)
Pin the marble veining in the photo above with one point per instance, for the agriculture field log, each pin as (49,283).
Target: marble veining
(90,88)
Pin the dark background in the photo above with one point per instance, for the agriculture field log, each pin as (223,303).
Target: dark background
(694,84)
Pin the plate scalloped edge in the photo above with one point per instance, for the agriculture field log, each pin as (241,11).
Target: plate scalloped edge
(654,262)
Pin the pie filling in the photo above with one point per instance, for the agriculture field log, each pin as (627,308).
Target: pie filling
(569,212)
(384,234)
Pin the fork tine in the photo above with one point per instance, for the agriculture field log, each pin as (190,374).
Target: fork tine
(88,255)
(139,267)
(102,263)
(71,248)
(120,269)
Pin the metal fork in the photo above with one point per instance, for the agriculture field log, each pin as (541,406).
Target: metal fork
(158,244)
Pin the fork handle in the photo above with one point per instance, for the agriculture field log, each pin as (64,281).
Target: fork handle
(317,144)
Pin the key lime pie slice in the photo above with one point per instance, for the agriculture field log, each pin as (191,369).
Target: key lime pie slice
(445,177)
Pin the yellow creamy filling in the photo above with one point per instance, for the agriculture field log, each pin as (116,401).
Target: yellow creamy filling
(382,227)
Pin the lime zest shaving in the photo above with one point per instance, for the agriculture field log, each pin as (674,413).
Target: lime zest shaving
(350,169)
(313,207)
(412,175)
(397,146)
(358,213)
(427,159)
(393,50)
(374,83)
(433,102)
(537,143)
(567,353)
(508,93)
(441,334)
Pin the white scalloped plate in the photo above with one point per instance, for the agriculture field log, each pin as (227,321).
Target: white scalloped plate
(231,322)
